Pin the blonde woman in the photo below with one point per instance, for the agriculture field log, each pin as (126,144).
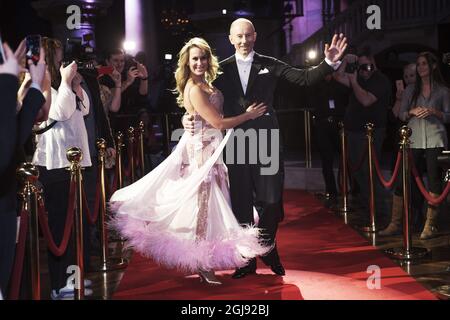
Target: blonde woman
(180,214)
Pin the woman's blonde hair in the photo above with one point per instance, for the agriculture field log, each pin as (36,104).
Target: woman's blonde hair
(183,72)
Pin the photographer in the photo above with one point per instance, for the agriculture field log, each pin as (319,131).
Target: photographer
(369,102)
(133,85)
(14,130)
(65,128)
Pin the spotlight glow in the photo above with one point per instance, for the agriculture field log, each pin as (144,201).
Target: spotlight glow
(312,54)
(129,45)
(224,11)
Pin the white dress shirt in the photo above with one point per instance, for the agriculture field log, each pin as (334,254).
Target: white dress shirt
(68,132)
(244,66)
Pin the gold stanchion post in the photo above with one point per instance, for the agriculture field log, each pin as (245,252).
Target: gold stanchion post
(345,208)
(119,163)
(75,155)
(106,263)
(372,228)
(28,174)
(131,153)
(408,252)
(141,146)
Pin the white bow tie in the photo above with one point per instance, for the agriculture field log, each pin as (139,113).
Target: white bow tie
(240,61)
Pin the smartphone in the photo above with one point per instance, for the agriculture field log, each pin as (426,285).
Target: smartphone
(399,84)
(105,70)
(2,53)
(33,43)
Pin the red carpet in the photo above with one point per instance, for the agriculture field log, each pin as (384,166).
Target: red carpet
(324,259)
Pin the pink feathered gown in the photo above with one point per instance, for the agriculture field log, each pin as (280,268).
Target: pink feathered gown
(180,213)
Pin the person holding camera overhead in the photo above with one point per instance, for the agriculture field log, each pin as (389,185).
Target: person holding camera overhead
(64,128)
(368,102)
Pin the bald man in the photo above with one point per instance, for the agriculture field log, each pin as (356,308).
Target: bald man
(250,77)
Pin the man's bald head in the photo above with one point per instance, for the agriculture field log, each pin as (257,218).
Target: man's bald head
(241,22)
(242,36)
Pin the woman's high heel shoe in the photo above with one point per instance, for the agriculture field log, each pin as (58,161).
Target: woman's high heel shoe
(209,278)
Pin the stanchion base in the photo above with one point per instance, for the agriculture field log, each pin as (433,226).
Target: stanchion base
(111,265)
(411,254)
(370,229)
(443,291)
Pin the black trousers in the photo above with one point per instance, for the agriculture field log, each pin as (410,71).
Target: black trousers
(327,138)
(249,188)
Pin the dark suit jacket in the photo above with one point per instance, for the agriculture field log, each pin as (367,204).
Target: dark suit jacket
(14,131)
(265,75)
(8,126)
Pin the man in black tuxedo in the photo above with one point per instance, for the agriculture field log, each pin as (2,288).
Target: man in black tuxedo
(14,131)
(249,77)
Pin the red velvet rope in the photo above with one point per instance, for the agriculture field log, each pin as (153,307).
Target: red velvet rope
(19,258)
(360,162)
(92,219)
(431,200)
(390,183)
(43,222)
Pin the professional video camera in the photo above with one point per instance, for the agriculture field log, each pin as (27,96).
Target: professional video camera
(80,51)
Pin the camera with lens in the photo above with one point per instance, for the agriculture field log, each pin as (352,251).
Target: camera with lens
(351,67)
(366,67)
(79,50)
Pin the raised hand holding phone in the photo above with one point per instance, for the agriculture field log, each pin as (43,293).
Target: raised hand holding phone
(33,48)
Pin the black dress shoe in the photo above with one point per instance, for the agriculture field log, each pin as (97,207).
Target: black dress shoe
(242,272)
(278,269)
